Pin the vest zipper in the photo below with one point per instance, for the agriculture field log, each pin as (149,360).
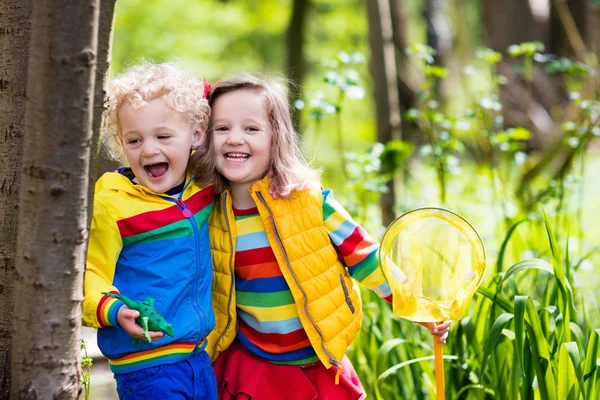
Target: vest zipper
(289,267)
(224,205)
(347,294)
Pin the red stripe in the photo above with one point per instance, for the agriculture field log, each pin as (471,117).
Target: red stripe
(104,299)
(242,213)
(256,271)
(151,220)
(275,342)
(254,256)
(350,243)
(389,298)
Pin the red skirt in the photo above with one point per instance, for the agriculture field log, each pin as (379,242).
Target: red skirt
(242,376)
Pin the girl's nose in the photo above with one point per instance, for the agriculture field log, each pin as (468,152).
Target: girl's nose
(235,137)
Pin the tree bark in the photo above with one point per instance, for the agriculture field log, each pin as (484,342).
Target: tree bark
(385,82)
(99,161)
(513,22)
(572,24)
(15,33)
(296,67)
(52,234)
(439,37)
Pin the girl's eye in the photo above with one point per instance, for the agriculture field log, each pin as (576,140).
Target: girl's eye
(164,136)
(221,129)
(252,129)
(133,141)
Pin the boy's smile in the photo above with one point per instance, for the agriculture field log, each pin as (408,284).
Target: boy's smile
(157,142)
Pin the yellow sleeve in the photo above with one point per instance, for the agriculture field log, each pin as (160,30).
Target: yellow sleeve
(104,247)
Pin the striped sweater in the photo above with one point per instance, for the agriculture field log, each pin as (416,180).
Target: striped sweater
(144,244)
(268,322)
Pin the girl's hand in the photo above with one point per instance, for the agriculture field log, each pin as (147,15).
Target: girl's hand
(126,318)
(439,329)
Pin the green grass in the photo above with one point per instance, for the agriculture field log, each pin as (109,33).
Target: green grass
(531,333)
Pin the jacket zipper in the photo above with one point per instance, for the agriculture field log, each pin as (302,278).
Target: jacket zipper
(187,213)
(232,252)
(332,360)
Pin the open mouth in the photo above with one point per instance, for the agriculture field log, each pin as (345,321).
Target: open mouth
(237,157)
(157,170)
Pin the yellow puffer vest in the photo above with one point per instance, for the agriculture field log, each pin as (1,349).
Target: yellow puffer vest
(326,297)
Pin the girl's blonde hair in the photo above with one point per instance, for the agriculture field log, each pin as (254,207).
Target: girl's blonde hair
(287,166)
(145,82)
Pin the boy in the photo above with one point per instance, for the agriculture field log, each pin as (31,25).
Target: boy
(149,238)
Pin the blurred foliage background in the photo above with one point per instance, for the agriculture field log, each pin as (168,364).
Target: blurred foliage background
(487,108)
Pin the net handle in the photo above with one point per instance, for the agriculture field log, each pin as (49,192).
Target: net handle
(438,351)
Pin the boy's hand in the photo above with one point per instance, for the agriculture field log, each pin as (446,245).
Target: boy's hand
(439,329)
(126,318)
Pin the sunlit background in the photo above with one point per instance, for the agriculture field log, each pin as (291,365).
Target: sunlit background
(466,147)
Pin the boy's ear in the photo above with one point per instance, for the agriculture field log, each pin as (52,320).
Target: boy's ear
(198,137)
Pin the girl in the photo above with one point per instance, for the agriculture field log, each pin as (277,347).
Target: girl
(285,251)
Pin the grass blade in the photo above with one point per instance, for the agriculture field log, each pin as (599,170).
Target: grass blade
(492,340)
(520,307)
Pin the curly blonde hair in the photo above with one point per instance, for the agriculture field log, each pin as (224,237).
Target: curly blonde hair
(146,82)
(287,166)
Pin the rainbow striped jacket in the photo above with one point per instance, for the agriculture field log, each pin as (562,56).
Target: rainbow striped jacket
(144,244)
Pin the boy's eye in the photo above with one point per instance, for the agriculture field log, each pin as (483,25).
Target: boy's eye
(164,136)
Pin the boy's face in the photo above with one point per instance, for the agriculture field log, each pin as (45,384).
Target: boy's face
(157,142)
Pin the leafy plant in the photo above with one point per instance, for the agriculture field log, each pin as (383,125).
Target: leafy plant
(86,369)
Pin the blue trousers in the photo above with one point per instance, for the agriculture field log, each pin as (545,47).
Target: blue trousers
(190,379)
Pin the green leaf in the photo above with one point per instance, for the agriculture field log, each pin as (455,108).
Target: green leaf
(436,71)
(525,265)
(392,370)
(497,299)
(569,370)
(492,339)
(511,230)
(566,296)
(591,363)
(520,307)
(540,354)
(389,345)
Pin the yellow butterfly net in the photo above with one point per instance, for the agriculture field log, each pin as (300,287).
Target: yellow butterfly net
(433,260)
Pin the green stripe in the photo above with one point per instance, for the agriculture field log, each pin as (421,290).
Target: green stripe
(328,210)
(303,361)
(202,216)
(368,265)
(274,299)
(175,230)
(241,217)
(125,367)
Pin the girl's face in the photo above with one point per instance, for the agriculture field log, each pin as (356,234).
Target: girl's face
(241,136)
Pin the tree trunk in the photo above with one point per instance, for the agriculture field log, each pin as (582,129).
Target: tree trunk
(99,162)
(15,33)
(572,24)
(439,36)
(513,22)
(385,83)
(52,234)
(296,68)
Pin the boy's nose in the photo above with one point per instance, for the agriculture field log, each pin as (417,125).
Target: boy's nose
(149,148)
